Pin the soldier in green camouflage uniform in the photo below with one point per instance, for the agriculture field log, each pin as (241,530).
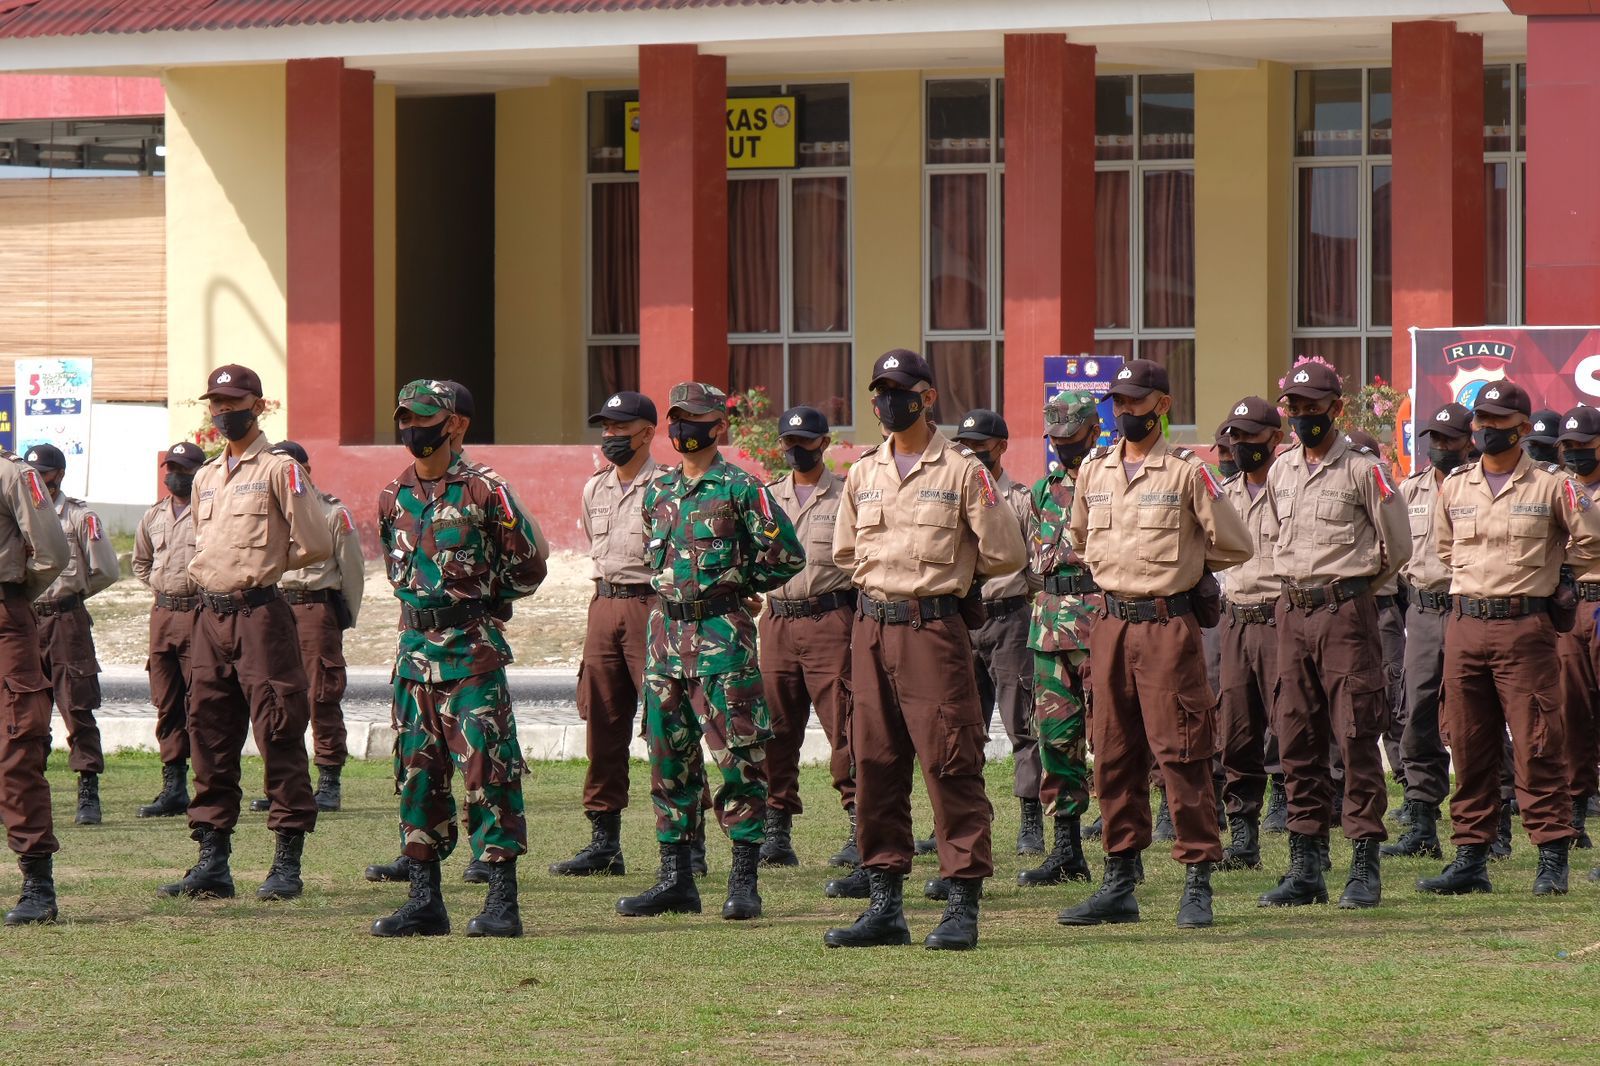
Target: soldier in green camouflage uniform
(459,548)
(1059,637)
(714,538)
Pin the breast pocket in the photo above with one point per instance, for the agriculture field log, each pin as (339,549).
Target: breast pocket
(1335,522)
(249,525)
(1158,534)
(869,530)
(1528,540)
(936,533)
(715,544)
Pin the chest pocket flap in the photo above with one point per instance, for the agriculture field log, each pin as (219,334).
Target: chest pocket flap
(715,543)
(1336,522)
(249,523)
(936,532)
(1158,533)
(1528,539)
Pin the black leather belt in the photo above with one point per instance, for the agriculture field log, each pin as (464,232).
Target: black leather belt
(1252,614)
(12,590)
(1310,597)
(307,595)
(454,616)
(1383,602)
(1153,609)
(1437,602)
(1079,584)
(606,590)
(235,602)
(914,612)
(50,608)
(1501,607)
(699,610)
(1589,590)
(1005,605)
(183,604)
(815,607)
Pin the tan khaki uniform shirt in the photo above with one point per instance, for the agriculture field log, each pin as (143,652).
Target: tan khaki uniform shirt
(33,546)
(1024,582)
(1424,570)
(1156,534)
(344,570)
(813,525)
(163,548)
(1253,581)
(929,535)
(1514,544)
(613,520)
(256,521)
(94,566)
(1342,519)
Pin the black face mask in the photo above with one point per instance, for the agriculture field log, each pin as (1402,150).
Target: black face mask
(178,484)
(1581,461)
(1251,457)
(1537,451)
(1071,455)
(1136,428)
(987,458)
(1497,441)
(1312,429)
(691,437)
(1445,460)
(235,425)
(897,409)
(618,450)
(802,459)
(1227,467)
(423,441)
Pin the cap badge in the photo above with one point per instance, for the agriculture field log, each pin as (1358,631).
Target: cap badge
(33,457)
(1241,410)
(969,423)
(224,377)
(891,363)
(615,401)
(796,421)
(1572,423)
(1125,373)
(1442,416)
(1301,378)
(1492,394)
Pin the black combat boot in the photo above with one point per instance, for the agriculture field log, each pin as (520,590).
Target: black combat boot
(329,792)
(1363,888)
(1422,838)
(1194,910)
(937,889)
(697,852)
(399,870)
(926,846)
(1551,880)
(1580,815)
(858,885)
(174,795)
(1095,829)
(1325,852)
(37,905)
(1112,903)
(883,923)
(208,878)
(674,893)
(1467,872)
(476,872)
(500,916)
(1276,818)
(88,799)
(260,803)
(1030,838)
(1065,861)
(1163,830)
(849,855)
(1244,844)
(778,848)
(958,929)
(1501,848)
(743,902)
(603,853)
(423,912)
(1303,884)
(283,879)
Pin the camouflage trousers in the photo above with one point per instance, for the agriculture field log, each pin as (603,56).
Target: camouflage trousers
(730,711)
(1058,713)
(466,722)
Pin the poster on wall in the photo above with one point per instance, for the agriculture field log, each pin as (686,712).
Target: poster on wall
(8,425)
(53,403)
(1082,373)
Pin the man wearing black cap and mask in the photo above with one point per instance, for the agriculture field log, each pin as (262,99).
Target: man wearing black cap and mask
(163,547)
(66,637)
(1579,433)
(1540,443)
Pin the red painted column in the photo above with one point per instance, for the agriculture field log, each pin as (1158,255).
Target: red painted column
(329,210)
(1562,272)
(683,219)
(1049,225)
(1437,190)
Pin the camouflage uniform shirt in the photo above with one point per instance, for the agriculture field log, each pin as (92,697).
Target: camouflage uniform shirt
(1059,623)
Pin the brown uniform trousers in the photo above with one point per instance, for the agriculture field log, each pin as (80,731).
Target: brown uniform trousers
(1392,640)
(805,663)
(1003,667)
(66,641)
(170,635)
(24,731)
(322,653)
(914,700)
(246,674)
(610,681)
(1580,698)
(1249,678)
(1427,764)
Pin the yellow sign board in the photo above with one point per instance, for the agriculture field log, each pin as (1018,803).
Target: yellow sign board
(761,133)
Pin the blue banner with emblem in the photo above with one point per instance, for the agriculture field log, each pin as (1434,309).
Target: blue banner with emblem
(1083,373)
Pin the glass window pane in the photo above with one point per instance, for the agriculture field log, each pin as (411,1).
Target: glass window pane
(1113,117)
(824,124)
(1178,357)
(738,92)
(1112,239)
(614,258)
(1166,116)
(612,368)
(1327,110)
(757,366)
(1380,111)
(1380,363)
(1169,249)
(605,129)
(821,266)
(1497,109)
(1497,243)
(819,376)
(958,251)
(961,372)
(1382,293)
(1343,352)
(958,121)
(754,303)
(1329,254)
(1122,346)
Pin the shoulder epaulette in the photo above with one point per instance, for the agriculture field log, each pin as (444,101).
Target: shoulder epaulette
(1462,469)
(1553,468)
(1419,473)
(1234,478)
(1099,451)
(1184,454)
(870,449)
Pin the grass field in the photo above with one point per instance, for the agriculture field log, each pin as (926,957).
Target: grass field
(129,978)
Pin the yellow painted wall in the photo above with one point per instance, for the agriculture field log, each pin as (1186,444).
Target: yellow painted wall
(383,253)
(226,231)
(1243,214)
(540,364)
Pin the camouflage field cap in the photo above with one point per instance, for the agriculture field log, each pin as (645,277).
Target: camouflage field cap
(1065,413)
(426,397)
(697,398)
